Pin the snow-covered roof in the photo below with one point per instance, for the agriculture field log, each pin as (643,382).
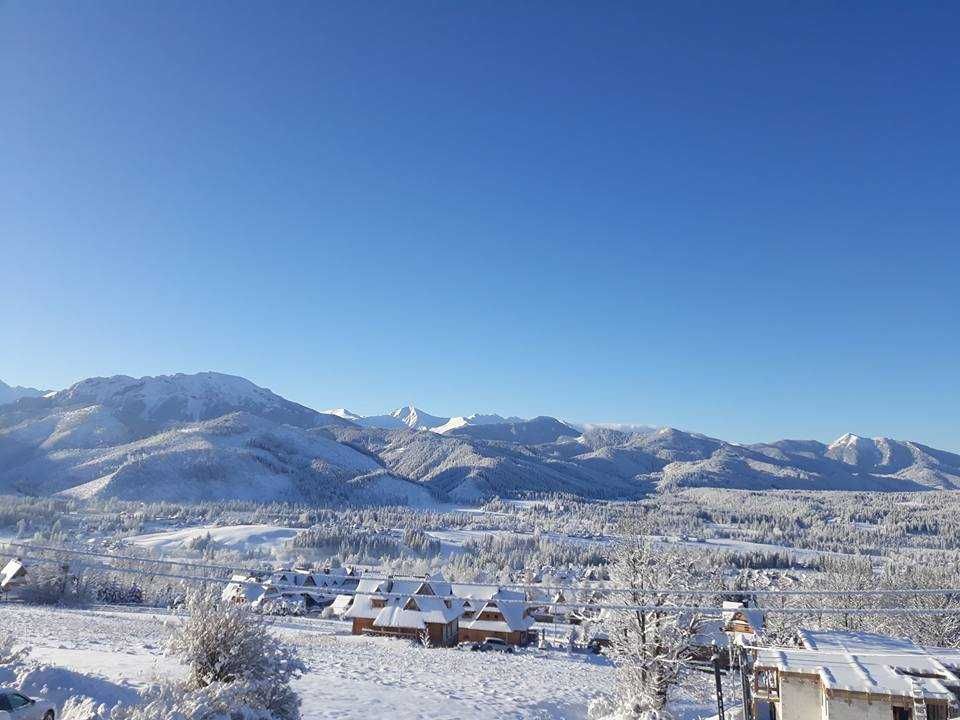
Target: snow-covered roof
(242,588)
(10,571)
(475,596)
(369,587)
(866,663)
(341,603)
(754,617)
(514,618)
(435,609)
(395,616)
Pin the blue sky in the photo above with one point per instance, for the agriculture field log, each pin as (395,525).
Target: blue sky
(740,219)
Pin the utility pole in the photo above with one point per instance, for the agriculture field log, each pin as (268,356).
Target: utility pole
(716,675)
(744,662)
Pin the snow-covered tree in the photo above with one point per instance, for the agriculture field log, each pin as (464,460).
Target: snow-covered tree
(650,647)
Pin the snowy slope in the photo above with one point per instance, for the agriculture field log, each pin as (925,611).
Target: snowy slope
(468,470)
(476,419)
(237,456)
(235,537)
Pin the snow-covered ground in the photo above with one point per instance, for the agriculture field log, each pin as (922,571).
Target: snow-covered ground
(235,537)
(245,537)
(109,653)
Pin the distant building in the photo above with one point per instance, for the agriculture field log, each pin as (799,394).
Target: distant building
(839,675)
(242,589)
(741,618)
(294,590)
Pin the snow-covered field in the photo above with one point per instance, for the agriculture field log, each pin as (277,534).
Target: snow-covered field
(235,537)
(108,653)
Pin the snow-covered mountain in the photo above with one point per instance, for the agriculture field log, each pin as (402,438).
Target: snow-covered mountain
(537,431)
(12,393)
(460,421)
(149,403)
(236,456)
(205,436)
(343,413)
(414,418)
(214,436)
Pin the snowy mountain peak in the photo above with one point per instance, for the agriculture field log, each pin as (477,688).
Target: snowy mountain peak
(846,440)
(414,417)
(149,403)
(158,388)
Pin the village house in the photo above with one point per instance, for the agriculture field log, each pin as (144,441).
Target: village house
(423,609)
(840,675)
(741,618)
(297,589)
(243,589)
(505,618)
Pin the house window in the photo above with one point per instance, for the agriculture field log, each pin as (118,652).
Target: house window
(900,713)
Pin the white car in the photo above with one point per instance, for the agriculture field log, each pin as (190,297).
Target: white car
(17,706)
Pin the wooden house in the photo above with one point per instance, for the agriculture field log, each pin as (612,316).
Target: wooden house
(504,619)
(410,608)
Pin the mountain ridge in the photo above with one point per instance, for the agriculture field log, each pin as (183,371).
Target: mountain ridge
(210,435)
(12,393)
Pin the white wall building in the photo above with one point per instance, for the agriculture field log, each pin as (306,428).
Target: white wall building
(838,675)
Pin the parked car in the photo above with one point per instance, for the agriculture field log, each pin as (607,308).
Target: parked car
(490,643)
(17,706)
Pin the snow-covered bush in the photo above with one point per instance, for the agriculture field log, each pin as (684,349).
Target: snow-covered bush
(239,700)
(232,656)
(10,652)
(82,708)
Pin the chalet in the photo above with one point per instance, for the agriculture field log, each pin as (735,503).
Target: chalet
(473,597)
(14,573)
(411,608)
(740,618)
(341,604)
(840,675)
(243,589)
(506,619)
(418,617)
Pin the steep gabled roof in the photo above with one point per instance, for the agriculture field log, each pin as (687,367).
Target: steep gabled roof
(435,609)
(10,571)
(397,615)
(514,618)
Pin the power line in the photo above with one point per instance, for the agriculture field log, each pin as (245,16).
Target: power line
(533,586)
(665,609)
